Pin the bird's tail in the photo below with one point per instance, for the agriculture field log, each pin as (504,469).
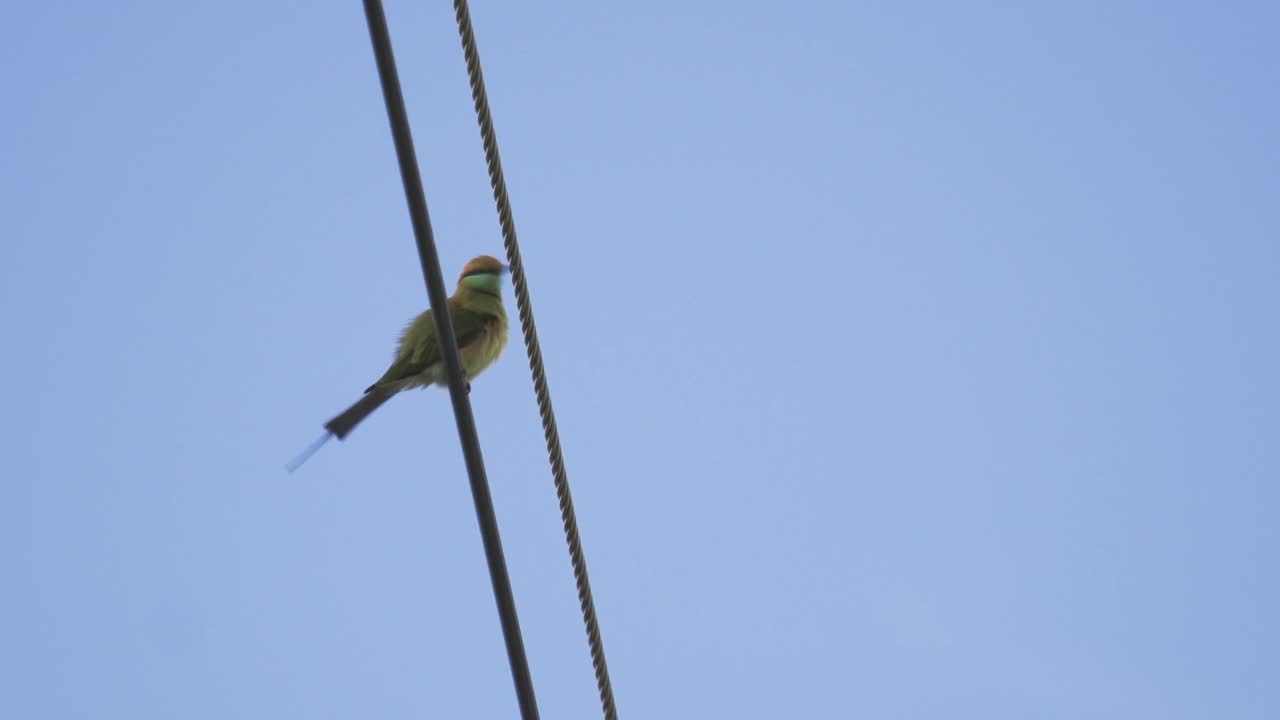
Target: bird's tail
(347,420)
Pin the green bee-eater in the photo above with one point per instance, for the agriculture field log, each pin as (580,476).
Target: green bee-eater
(479,324)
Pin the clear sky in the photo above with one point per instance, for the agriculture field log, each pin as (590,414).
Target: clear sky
(912,360)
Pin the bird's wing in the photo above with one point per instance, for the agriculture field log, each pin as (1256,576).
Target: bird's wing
(420,348)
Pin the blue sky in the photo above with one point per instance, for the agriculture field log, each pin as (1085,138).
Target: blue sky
(912,360)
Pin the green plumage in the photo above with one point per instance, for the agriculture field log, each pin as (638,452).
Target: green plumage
(479,324)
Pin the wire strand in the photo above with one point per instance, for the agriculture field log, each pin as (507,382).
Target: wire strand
(416,198)
(520,287)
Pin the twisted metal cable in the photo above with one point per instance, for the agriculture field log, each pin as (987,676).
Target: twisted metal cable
(549,431)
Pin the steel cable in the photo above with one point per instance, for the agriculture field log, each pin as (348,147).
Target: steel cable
(520,287)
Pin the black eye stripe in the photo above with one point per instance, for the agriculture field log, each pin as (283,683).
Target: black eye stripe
(473,273)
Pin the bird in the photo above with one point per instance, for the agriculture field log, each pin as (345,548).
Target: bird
(479,325)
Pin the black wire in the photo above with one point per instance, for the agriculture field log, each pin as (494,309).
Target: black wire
(449,348)
(549,430)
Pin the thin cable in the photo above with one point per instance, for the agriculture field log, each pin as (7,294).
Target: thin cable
(413,191)
(552,435)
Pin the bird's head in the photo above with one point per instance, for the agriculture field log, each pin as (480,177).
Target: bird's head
(483,273)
